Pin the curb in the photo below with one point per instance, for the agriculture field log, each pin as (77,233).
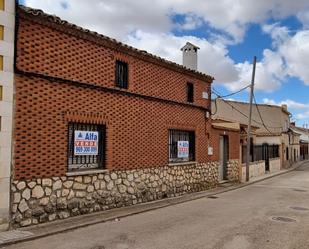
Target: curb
(140,208)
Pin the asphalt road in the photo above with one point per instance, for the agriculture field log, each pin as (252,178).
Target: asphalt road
(269,214)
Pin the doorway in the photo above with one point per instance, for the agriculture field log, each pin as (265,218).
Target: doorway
(223,157)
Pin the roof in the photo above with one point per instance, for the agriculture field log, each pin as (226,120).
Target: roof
(274,117)
(222,124)
(39,15)
(304,133)
(189,45)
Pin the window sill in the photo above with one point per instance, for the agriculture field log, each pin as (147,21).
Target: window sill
(86,172)
(182,163)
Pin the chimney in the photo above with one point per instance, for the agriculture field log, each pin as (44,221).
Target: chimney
(189,56)
(284,107)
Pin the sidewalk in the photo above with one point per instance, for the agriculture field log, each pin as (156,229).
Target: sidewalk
(42,230)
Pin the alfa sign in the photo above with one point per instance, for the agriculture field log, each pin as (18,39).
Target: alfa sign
(86,143)
(183,149)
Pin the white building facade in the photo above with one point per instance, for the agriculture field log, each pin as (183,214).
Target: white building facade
(7,26)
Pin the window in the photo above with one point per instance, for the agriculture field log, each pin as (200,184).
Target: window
(1,32)
(121,74)
(1,62)
(181,146)
(1,4)
(86,148)
(190,92)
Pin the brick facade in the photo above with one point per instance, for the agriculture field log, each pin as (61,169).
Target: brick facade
(66,74)
(234,143)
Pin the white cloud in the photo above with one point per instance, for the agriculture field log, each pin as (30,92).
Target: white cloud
(278,34)
(115,18)
(296,53)
(269,73)
(148,26)
(191,22)
(300,110)
(212,58)
(303,116)
(303,17)
(290,103)
(120,17)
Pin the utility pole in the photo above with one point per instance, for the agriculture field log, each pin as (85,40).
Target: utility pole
(307,141)
(249,121)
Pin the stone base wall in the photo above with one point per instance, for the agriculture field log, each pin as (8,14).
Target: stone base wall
(274,165)
(255,169)
(233,170)
(41,200)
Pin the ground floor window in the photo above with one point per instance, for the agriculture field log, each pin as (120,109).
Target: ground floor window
(86,146)
(181,146)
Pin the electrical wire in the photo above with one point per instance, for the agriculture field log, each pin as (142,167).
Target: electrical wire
(231,94)
(258,110)
(234,108)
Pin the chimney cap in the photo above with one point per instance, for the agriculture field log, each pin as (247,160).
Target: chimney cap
(189,45)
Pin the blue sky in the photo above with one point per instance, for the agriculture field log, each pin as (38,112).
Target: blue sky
(229,33)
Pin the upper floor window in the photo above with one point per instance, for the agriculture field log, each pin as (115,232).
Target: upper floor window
(121,74)
(190,91)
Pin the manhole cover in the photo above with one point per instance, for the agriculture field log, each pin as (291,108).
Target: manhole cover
(300,208)
(283,219)
(212,197)
(299,190)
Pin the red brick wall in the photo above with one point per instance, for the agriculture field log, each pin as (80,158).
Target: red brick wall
(234,143)
(137,127)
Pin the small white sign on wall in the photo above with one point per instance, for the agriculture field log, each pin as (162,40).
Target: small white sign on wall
(205,95)
(183,149)
(210,151)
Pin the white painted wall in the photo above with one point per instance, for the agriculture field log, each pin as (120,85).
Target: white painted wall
(269,139)
(274,165)
(7,19)
(255,169)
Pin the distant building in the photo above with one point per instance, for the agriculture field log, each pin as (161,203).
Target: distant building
(303,141)
(273,137)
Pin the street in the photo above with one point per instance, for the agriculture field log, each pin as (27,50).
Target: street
(270,214)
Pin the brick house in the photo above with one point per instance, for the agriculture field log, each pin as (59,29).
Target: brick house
(99,124)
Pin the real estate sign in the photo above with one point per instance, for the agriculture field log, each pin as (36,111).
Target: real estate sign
(86,143)
(183,149)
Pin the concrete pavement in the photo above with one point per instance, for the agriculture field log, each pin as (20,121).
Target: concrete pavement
(269,214)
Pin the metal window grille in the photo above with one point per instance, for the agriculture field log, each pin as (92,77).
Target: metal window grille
(190,91)
(179,135)
(260,152)
(84,162)
(121,74)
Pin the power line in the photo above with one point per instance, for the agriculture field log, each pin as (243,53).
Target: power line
(245,115)
(231,94)
(258,109)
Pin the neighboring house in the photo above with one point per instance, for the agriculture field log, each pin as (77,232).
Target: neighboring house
(272,141)
(7,26)
(226,148)
(303,141)
(294,143)
(99,124)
